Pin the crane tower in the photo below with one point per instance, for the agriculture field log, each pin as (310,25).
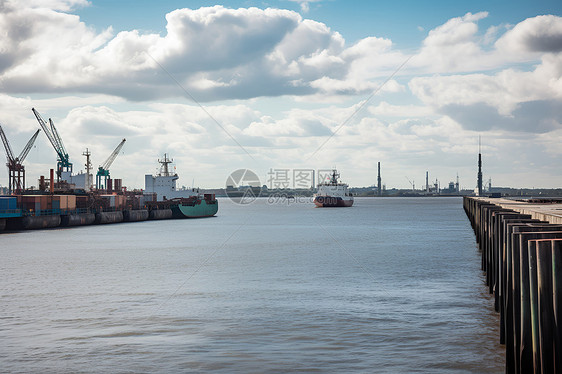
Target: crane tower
(103,170)
(16,170)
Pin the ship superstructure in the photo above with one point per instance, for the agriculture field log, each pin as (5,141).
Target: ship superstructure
(164,184)
(184,203)
(333,193)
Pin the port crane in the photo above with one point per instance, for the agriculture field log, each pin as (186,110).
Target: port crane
(412,183)
(63,162)
(103,170)
(16,170)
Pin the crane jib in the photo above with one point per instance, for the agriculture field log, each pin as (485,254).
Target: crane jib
(9,153)
(56,141)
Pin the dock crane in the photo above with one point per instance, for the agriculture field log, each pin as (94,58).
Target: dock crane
(103,170)
(412,183)
(63,162)
(16,170)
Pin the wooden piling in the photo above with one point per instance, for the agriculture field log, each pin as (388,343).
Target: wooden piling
(521,240)
(546,309)
(534,308)
(557,302)
(521,248)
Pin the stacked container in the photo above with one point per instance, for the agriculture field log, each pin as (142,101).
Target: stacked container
(8,203)
(115,201)
(81,201)
(64,202)
(47,202)
(32,202)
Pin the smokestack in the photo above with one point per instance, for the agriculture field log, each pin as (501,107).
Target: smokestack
(457,187)
(313,175)
(379,191)
(52,181)
(427,181)
(479,169)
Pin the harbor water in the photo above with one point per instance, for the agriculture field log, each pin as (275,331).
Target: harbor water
(388,285)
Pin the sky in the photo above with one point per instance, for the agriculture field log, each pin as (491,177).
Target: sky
(289,85)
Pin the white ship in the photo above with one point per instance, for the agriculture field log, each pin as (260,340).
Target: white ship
(164,184)
(333,193)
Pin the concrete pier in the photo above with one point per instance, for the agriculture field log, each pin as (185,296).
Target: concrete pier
(521,246)
(160,214)
(109,217)
(40,222)
(135,215)
(78,219)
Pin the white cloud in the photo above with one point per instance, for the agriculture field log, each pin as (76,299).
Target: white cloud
(390,110)
(218,53)
(62,5)
(305,4)
(511,99)
(541,34)
(464,81)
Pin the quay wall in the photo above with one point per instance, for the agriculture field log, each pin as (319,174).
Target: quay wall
(521,248)
(40,222)
(109,217)
(160,214)
(78,219)
(135,215)
(32,222)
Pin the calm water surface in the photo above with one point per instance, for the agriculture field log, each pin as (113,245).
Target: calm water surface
(389,285)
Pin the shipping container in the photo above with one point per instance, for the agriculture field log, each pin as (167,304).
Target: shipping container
(110,199)
(81,202)
(31,202)
(71,202)
(8,203)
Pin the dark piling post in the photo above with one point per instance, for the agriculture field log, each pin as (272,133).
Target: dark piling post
(534,303)
(557,302)
(522,258)
(526,342)
(546,315)
(513,342)
(498,247)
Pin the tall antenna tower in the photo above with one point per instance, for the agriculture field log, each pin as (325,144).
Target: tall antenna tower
(88,166)
(379,191)
(479,167)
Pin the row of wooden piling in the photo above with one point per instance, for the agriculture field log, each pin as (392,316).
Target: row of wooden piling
(522,259)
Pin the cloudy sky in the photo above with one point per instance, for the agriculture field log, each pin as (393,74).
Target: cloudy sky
(289,84)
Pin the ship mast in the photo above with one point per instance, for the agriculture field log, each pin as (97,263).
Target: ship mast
(88,165)
(164,168)
(335,176)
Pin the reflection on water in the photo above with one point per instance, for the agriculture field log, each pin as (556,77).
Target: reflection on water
(387,285)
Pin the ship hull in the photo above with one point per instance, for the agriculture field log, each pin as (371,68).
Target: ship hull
(332,202)
(196,209)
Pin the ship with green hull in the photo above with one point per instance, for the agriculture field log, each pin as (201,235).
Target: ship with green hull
(196,207)
(161,192)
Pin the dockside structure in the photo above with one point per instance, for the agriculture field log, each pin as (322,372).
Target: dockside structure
(39,211)
(521,247)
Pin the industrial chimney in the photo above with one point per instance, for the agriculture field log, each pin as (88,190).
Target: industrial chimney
(379,191)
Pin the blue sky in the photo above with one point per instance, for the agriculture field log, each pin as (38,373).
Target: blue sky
(399,21)
(274,83)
